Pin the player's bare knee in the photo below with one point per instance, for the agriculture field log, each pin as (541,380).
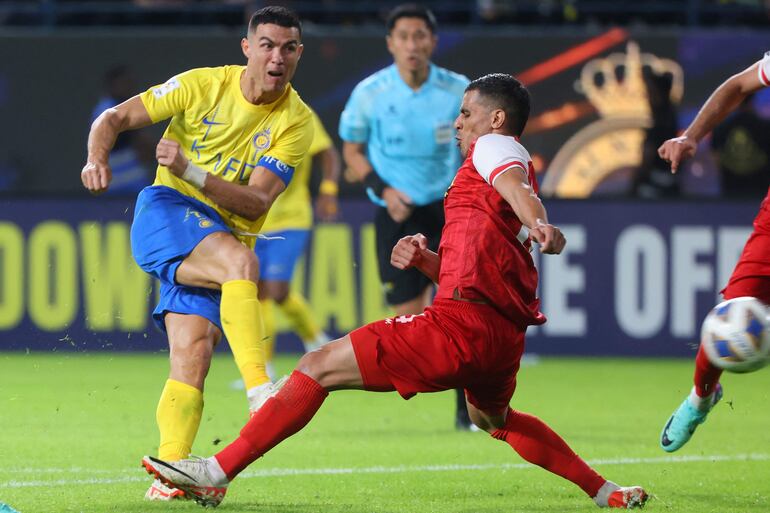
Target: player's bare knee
(312,364)
(242,264)
(320,366)
(484,421)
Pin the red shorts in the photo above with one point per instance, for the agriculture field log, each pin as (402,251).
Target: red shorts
(452,344)
(751,276)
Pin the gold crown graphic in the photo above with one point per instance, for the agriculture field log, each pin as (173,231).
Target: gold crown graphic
(620,91)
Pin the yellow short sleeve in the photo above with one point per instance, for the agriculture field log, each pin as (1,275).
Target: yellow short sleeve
(175,95)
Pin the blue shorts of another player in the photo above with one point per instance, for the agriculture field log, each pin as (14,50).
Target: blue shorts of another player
(278,257)
(167,226)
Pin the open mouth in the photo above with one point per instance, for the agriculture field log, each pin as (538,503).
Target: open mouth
(275,74)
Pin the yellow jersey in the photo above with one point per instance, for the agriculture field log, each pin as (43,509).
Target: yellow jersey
(293,210)
(228,136)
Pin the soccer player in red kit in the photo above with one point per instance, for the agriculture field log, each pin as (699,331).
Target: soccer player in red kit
(472,337)
(751,276)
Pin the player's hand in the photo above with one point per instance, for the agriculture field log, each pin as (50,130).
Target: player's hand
(677,149)
(96,177)
(549,237)
(399,204)
(169,153)
(408,251)
(326,207)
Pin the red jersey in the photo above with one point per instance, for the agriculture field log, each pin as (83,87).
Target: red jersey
(485,248)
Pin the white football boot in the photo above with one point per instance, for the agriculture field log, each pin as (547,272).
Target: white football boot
(611,495)
(160,492)
(200,479)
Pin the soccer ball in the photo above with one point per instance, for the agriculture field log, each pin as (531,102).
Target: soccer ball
(736,335)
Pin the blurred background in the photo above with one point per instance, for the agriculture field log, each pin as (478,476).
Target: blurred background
(647,253)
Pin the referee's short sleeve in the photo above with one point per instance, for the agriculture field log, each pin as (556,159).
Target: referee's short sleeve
(355,119)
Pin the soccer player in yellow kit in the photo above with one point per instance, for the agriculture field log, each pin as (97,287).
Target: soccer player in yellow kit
(235,136)
(287,229)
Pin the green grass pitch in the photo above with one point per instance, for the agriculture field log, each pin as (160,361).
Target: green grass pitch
(73,428)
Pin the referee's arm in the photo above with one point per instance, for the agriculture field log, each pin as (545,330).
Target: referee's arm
(355,158)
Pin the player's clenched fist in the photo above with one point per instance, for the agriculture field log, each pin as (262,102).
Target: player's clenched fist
(169,153)
(676,149)
(96,177)
(408,251)
(549,237)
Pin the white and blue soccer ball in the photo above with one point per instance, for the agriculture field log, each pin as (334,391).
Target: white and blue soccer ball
(736,334)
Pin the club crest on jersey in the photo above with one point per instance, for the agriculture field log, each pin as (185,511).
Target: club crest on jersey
(203,221)
(261,140)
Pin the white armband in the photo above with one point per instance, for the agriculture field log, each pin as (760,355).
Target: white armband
(194,175)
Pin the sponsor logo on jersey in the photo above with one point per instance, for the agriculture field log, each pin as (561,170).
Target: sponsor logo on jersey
(276,164)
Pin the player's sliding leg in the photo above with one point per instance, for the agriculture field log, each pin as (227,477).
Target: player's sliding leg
(296,309)
(696,406)
(332,367)
(191,342)
(538,444)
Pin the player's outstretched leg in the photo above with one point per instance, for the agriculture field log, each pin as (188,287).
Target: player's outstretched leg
(695,408)
(540,445)
(683,422)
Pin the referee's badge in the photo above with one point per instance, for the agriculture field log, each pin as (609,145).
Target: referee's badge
(261,140)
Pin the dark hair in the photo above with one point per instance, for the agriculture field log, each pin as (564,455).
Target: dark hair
(276,15)
(411,11)
(505,92)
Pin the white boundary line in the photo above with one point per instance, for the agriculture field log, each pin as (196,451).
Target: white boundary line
(123,476)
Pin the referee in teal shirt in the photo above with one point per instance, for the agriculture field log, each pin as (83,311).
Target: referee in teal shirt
(398,133)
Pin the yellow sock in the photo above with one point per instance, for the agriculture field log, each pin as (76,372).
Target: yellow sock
(298,312)
(268,323)
(242,323)
(178,416)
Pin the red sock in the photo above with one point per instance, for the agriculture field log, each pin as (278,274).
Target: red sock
(280,417)
(706,375)
(538,444)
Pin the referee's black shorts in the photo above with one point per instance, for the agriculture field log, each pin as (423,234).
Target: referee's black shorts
(402,286)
